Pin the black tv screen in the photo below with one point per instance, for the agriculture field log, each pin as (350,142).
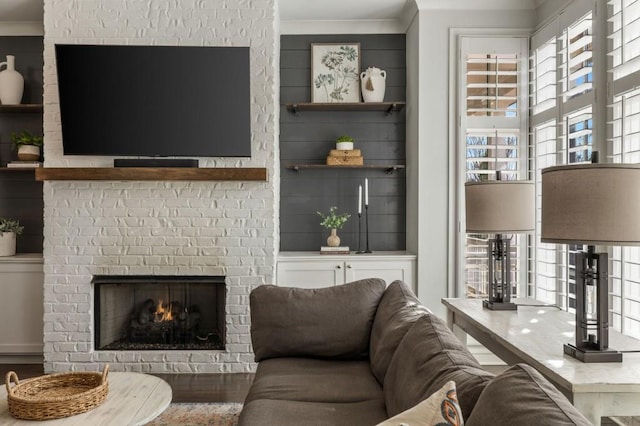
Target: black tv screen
(154,100)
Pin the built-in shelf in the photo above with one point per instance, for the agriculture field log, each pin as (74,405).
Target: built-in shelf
(21,108)
(152,173)
(387,107)
(389,168)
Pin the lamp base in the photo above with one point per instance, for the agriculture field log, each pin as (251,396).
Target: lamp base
(586,355)
(499,306)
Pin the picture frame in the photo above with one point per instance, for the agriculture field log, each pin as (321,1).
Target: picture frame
(335,72)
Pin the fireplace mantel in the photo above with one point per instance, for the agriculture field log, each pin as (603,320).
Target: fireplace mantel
(152,173)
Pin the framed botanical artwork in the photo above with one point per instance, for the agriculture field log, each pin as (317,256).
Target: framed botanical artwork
(335,71)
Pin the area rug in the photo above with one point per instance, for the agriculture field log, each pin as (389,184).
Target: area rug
(193,414)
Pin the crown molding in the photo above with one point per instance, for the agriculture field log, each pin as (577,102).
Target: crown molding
(476,5)
(25,28)
(355,26)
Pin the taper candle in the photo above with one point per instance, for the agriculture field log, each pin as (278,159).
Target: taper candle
(359,199)
(366,191)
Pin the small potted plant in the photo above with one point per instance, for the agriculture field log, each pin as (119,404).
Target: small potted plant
(344,143)
(9,228)
(27,145)
(333,222)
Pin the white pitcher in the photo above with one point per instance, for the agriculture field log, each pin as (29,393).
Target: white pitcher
(11,83)
(373,84)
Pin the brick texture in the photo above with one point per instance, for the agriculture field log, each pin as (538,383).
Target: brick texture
(168,228)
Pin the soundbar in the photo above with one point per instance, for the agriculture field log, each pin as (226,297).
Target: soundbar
(155,162)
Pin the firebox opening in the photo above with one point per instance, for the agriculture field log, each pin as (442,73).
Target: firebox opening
(159,312)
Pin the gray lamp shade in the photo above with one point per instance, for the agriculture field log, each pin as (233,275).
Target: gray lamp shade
(500,206)
(591,204)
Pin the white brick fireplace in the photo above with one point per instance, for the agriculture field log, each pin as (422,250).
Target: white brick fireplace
(159,228)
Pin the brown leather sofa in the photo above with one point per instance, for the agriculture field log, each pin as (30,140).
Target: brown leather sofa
(362,352)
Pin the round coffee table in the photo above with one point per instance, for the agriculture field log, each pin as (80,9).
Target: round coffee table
(133,399)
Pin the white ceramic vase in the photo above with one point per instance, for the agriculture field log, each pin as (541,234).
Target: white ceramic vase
(11,83)
(7,243)
(28,153)
(373,84)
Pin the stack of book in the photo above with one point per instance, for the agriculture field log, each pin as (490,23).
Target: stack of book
(345,157)
(24,164)
(334,250)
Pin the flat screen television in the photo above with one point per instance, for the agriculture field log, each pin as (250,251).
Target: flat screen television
(154,101)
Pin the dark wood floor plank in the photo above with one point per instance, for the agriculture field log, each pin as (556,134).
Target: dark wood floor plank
(227,387)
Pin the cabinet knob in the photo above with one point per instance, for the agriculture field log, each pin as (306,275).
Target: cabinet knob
(349,266)
(338,267)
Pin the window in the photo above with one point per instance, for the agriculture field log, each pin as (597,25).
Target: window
(624,147)
(492,133)
(561,133)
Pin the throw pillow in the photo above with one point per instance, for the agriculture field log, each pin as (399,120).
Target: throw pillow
(398,310)
(332,322)
(429,356)
(522,396)
(440,409)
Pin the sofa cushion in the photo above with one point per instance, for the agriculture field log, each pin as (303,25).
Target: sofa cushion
(399,308)
(314,380)
(429,356)
(265,412)
(333,322)
(441,408)
(522,396)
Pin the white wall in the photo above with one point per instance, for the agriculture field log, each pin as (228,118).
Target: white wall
(429,140)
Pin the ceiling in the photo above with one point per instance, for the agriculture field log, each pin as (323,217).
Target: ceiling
(300,10)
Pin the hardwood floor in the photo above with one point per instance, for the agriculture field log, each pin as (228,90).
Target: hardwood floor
(229,387)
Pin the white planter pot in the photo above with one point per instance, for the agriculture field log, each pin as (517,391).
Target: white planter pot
(344,146)
(7,243)
(11,83)
(28,153)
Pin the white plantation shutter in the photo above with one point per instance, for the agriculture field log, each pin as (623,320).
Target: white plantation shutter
(550,262)
(579,136)
(625,37)
(624,147)
(492,84)
(543,77)
(490,150)
(577,58)
(493,138)
(561,132)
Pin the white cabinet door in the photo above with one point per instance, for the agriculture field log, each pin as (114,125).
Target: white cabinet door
(310,270)
(387,269)
(21,305)
(310,274)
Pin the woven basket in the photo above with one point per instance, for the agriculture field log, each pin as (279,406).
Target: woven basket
(345,161)
(54,396)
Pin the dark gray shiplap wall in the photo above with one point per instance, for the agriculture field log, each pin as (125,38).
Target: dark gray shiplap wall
(308,137)
(20,194)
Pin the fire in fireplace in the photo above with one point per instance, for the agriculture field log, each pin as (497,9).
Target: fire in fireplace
(159,312)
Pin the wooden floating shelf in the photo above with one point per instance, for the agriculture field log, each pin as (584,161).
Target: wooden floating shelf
(152,173)
(17,169)
(388,168)
(387,107)
(21,108)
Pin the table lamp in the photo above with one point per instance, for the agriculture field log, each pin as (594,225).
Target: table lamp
(499,207)
(592,204)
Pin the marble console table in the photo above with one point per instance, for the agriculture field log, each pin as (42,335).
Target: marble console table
(535,335)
